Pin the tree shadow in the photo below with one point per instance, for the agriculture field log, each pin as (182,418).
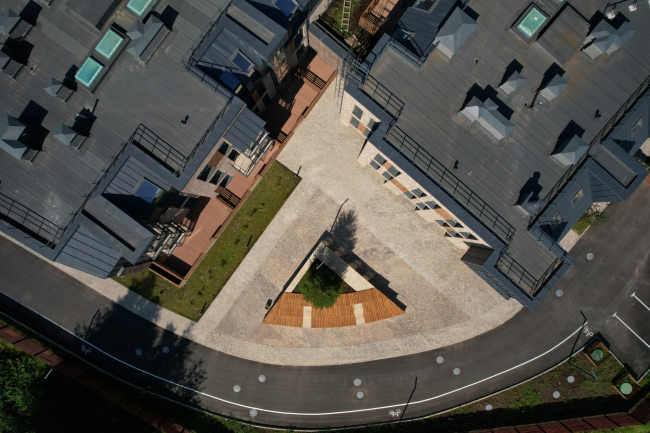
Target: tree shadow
(161,360)
(344,229)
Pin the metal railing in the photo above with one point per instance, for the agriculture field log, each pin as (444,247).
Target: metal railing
(159,149)
(204,35)
(17,214)
(382,96)
(206,134)
(521,277)
(517,273)
(460,192)
(207,80)
(594,150)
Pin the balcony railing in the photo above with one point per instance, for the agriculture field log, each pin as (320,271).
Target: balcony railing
(31,223)
(164,153)
(382,96)
(450,183)
(594,150)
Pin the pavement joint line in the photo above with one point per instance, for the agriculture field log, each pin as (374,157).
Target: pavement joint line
(642,303)
(637,335)
(346,411)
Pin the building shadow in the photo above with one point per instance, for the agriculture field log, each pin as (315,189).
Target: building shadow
(483,94)
(30,12)
(513,67)
(84,122)
(21,50)
(168,17)
(531,185)
(32,117)
(152,357)
(571,130)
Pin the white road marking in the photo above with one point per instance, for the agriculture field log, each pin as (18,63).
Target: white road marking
(356,410)
(637,335)
(637,298)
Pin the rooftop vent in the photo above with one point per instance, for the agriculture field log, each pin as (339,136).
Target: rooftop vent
(65,135)
(4,58)
(530,204)
(12,26)
(605,39)
(455,32)
(11,130)
(571,150)
(58,89)
(512,83)
(8,22)
(146,37)
(554,88)
(487,114)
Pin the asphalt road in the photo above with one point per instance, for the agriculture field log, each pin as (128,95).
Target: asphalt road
(401,387)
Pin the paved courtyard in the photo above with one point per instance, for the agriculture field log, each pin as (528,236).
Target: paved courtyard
(445,301)
(415,265)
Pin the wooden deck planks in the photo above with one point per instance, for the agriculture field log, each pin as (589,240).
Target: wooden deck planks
(288,310)
(211,217)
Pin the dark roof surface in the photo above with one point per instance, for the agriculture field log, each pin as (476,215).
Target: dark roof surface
(501,171)
(243,132)
(159,96)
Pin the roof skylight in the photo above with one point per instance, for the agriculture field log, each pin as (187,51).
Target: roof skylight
(532,22)
(286,6)
(148,191)
(109,43)
(242,62)
(424,4)
(89,71)
(138,6)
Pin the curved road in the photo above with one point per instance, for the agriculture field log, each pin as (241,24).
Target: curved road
(403,387)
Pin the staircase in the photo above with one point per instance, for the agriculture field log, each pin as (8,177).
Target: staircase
(345,18)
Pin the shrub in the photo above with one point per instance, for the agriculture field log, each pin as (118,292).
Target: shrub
(321,286)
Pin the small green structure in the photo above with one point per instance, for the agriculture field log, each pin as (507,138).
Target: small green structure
(597,355)
(626,388)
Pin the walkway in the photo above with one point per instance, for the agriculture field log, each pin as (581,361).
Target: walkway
(326,396)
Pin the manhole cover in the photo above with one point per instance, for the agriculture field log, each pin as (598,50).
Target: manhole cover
(626,388)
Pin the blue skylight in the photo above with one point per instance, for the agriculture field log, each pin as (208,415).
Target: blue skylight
(109,43)
(229,80)
(89,71)
(148,191)
(242,62)
(138,6)
(286,6)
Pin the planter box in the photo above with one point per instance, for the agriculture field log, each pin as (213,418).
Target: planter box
(625,378)
(597,344)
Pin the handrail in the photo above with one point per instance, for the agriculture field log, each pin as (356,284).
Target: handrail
(199,40)
(599,138)
(460,192)
(23,216)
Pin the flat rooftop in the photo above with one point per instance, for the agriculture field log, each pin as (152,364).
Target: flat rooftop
(159,95)
(497,171)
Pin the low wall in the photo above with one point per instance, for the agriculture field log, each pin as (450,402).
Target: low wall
(329,50)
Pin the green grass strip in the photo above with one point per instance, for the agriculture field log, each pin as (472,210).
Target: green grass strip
(227,252)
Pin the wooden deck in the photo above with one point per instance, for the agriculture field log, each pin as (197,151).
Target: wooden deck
(210,215)
(289,310)
(286,111)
